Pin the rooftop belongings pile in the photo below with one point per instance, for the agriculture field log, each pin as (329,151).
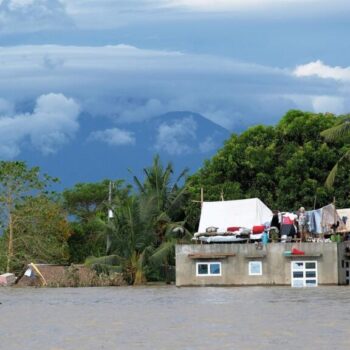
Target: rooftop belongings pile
(233,221)
(250,219)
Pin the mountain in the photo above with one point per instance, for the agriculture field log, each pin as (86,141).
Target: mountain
(103,149)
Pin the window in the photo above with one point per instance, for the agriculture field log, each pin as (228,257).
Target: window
(304,273)
(255,268)
(208,269)
(347,272)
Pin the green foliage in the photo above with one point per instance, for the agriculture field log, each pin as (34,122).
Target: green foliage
(105,264)
(41,232)
(341,131)
(86,200)
(285,166)
(147,224)
(17,184)
(87,203)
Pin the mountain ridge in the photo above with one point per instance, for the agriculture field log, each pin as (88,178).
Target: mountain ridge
(182,137)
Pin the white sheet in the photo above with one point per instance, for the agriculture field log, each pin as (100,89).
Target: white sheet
(242,213)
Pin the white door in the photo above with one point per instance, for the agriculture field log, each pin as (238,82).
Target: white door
(304,273)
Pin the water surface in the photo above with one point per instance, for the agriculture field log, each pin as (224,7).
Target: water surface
(175,318)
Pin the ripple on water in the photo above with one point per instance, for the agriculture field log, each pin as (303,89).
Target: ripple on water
(167,317)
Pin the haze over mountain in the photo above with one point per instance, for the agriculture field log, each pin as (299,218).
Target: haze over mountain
(184,138)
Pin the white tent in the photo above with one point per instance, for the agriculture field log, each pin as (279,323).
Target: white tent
(243,213)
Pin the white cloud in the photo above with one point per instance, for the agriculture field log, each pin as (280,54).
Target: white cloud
(207,145)
(52,123)
(222,5)
(14,5)
(331,104)
(32,15)
(321,70)
(335,100)
(113,137)
(130,111)
(173,138)
(6,107)
(322,103)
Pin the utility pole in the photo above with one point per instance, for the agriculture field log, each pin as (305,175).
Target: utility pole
(110,211)
(109,216)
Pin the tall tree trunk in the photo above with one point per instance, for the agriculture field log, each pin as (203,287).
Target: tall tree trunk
(10,243)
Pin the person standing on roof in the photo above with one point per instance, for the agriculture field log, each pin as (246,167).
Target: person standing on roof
(302,223)
(275,222)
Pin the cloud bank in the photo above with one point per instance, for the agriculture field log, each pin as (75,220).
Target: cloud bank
(127,85)
(321,70)
(113,137)
(33,15)
(173,137)
(53,122)
(41,15)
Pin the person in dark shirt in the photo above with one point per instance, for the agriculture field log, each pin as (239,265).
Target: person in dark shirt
(275,227)
(275,222)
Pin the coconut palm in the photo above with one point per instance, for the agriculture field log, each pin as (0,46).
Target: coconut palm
(161,200)
(164,254)
(146,225)
(129,242)
(332,134)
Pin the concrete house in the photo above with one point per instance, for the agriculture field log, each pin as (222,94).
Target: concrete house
(222,263)
(247,264)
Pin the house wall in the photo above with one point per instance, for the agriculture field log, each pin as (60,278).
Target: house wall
(344,262)
(276,268)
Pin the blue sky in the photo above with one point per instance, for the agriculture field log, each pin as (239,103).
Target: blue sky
(236,62)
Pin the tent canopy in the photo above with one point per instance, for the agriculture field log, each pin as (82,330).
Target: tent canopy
(243,213)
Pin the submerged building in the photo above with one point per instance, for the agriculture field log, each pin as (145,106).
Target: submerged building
(224,256)
(255,264)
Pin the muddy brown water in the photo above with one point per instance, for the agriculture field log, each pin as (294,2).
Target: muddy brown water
(175,318)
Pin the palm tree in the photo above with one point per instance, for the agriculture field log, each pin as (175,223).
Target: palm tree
(130,242)
(146,225)
(332,134)
(164,255)
(161,199)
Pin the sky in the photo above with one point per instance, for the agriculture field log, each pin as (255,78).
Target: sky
(236,62)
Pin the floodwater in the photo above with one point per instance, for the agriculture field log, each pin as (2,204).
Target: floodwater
(175,318)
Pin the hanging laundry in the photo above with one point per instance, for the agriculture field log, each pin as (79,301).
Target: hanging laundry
(287,226)
(314,222)
(344,215)
(330,219)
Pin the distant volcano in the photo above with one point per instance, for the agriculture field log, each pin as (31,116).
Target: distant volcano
(103,149)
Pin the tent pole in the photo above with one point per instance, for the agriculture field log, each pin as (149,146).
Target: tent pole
(202,196)
(335,216)
(315,201)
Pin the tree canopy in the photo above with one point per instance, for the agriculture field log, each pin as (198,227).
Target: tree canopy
(87,205)
(41,233)
(284,165)
(146,225)
(18,182)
